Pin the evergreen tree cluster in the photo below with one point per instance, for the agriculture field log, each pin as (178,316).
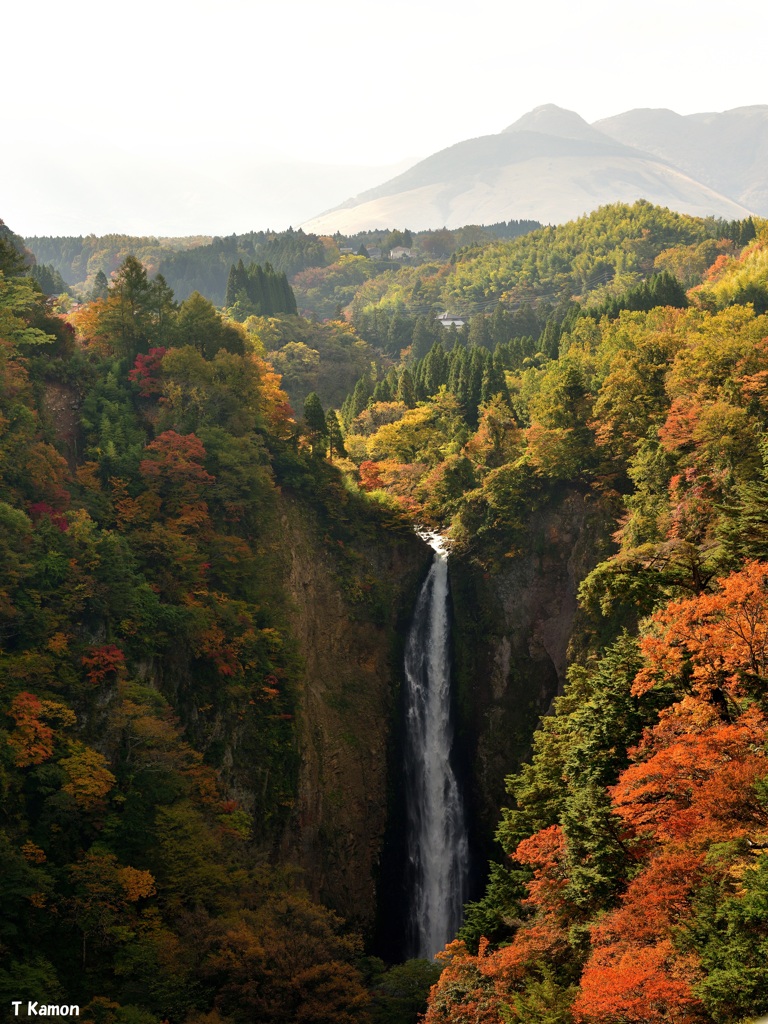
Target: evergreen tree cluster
(206,268)
(13,253)
(63,253)
(392,331)
(16,259)
(322,430)
(659,290)
(424,241)
(742,232)
(77,258)
(49,279)
(512,228)
(288,251)
(257,290)
(197,263)
(474,375)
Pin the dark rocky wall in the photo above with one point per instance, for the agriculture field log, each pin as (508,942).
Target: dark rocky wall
(351,648)
(515,629)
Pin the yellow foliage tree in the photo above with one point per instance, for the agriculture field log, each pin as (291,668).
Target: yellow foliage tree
(89,779)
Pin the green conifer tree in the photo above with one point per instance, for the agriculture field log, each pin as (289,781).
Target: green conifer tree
(100,286)
(334,435)
(456,359)
(478,331)
(500,326)
(361,396)
(163,310)
(422,339)
(315,429)
(435,370)
(493,384)
(406,390)
(383,391)
(127,319)
(233,286)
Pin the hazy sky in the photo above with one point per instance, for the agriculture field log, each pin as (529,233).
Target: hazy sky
(212,116)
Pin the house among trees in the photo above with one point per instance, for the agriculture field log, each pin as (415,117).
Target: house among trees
(447,320)
(400,252)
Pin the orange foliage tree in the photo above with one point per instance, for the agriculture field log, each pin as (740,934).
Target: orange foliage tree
(695,782)
(33,740)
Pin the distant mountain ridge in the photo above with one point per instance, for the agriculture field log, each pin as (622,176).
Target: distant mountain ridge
(727,151)
(552,166)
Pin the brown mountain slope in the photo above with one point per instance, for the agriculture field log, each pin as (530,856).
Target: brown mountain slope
(549,166)
(727,151)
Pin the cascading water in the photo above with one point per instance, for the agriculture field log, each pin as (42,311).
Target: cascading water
(438,852)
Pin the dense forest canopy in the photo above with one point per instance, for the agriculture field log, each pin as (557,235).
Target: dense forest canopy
(200,263)
(148,446)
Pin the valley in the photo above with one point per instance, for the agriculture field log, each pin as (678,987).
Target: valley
(218,458)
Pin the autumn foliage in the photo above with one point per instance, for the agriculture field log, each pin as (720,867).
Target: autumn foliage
(146,372)
(695,782)
(153,685)
(142,619)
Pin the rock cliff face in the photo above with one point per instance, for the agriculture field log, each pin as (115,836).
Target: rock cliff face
(349,605)
(514,631)
(350,610)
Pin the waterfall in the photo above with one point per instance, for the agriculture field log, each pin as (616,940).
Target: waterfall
(438,853)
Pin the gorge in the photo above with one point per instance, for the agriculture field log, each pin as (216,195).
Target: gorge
(260,741)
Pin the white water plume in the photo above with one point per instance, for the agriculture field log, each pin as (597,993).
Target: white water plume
(437,836)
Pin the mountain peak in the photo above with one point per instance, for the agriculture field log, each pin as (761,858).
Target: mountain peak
(552,166)
(549,119)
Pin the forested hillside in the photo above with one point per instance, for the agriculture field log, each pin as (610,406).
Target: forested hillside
(187,264)
(632,879)
(207,565)
(156,748)
(203,264)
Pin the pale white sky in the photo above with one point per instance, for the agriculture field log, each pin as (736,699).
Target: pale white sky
(212,116)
